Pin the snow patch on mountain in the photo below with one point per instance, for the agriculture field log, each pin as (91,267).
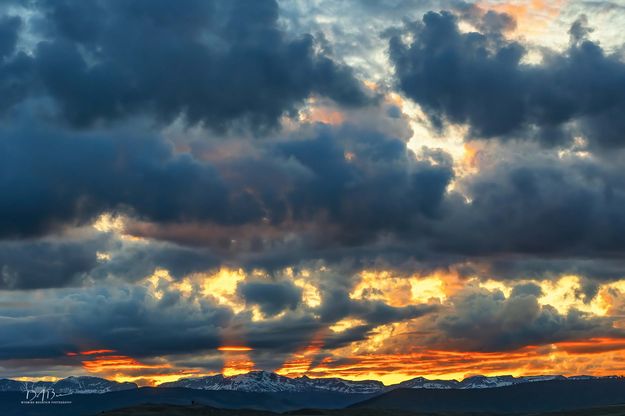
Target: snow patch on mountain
(424,383)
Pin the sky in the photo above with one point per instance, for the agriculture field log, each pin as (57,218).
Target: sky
(359,189)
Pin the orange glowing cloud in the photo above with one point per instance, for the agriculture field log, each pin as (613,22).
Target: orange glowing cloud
(596,356)
(234,367)
(601,356)
(301,362)
(592,346)
(89,352)
(323,115)
(470,158)
(397,290)
(94,352)
(234,348)
(115,366)
(236,357)
(533,17)
(155,378)
(116,363)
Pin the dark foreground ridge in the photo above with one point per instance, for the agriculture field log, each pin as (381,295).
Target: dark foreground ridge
(171,410)
(547,396)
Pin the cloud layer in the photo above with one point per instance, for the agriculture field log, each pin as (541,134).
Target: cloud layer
(177,179)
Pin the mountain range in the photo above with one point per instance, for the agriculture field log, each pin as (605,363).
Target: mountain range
(263,381)
(268,382)
(268,392)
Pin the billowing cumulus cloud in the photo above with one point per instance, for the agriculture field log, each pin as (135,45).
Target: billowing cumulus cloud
(210,61)
(355,184)
(52,178)
(543,205)
(480,320)
(480,78)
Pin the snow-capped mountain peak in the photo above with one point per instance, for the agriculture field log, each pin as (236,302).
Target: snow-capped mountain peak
(263,381)
(344,386)
(254,381)
(481,382)
(424,383)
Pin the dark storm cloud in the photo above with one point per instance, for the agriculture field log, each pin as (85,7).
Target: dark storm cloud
(151,326)
(526,289)
(541,205)
(480,320)
(16,68)
(134,261)
(336,194)
(337,305)
(51,178)
(538,215)
(332,190)
(321,193)
(530,213)
(214,62)
(364,183)
(479,78)
(8,34)
(271,297)
(128,319)
(40,264)
(608,268)
(63,262)
(355,184)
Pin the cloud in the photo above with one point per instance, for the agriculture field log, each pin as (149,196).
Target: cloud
(53,178)
(482,320)
(90,256)
(170,321)
(41,264)
(340,194)
(8,34)
(222,64)
(137,114)
(380,187)
(479,78)
(271,297)
(535,213)
(71,320)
